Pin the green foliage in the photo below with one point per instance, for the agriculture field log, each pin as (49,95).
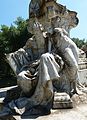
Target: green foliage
(79,42)
(11,39)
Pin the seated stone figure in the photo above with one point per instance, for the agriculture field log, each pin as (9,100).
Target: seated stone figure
(36,71)
(47,63)
(68,51)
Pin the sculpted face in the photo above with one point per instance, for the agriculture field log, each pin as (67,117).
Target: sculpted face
(35,7)
(73,19)
(63,17)
(68,20)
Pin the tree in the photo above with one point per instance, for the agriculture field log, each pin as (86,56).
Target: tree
(11,39)
(79,42)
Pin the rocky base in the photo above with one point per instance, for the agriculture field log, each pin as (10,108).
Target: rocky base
(62,103)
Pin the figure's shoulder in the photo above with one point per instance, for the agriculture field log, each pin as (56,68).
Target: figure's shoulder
(30,42)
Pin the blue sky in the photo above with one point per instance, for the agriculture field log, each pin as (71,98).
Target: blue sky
(11,9)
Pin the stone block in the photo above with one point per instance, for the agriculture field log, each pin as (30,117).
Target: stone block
(83,76)
(82,65)
(62,100)
(63,105)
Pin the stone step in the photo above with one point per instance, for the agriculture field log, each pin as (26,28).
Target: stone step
(63,105)
(82,65)
(3,92)
(83,76)
(57,105)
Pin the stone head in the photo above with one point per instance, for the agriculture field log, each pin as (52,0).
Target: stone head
(73,19)
(67,20)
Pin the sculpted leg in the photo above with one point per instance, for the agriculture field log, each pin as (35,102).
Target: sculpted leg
(71,68)
(48,68)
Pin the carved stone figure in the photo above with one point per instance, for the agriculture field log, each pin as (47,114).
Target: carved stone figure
(35,8)
(68,51)
(62,17)
(48,62)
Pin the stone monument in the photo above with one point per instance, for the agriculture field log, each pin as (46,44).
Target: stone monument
(47,66)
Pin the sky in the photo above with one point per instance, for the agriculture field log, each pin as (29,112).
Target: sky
(11,9)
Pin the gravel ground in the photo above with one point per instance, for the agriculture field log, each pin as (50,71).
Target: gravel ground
(77,113)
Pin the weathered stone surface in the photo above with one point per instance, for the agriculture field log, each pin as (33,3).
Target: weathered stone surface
(8,118)
(82,60)
(79,110)
(38,65)
(77,113)
(62,100)
(83,76)
(82,67)
(62,105)
(64,18)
